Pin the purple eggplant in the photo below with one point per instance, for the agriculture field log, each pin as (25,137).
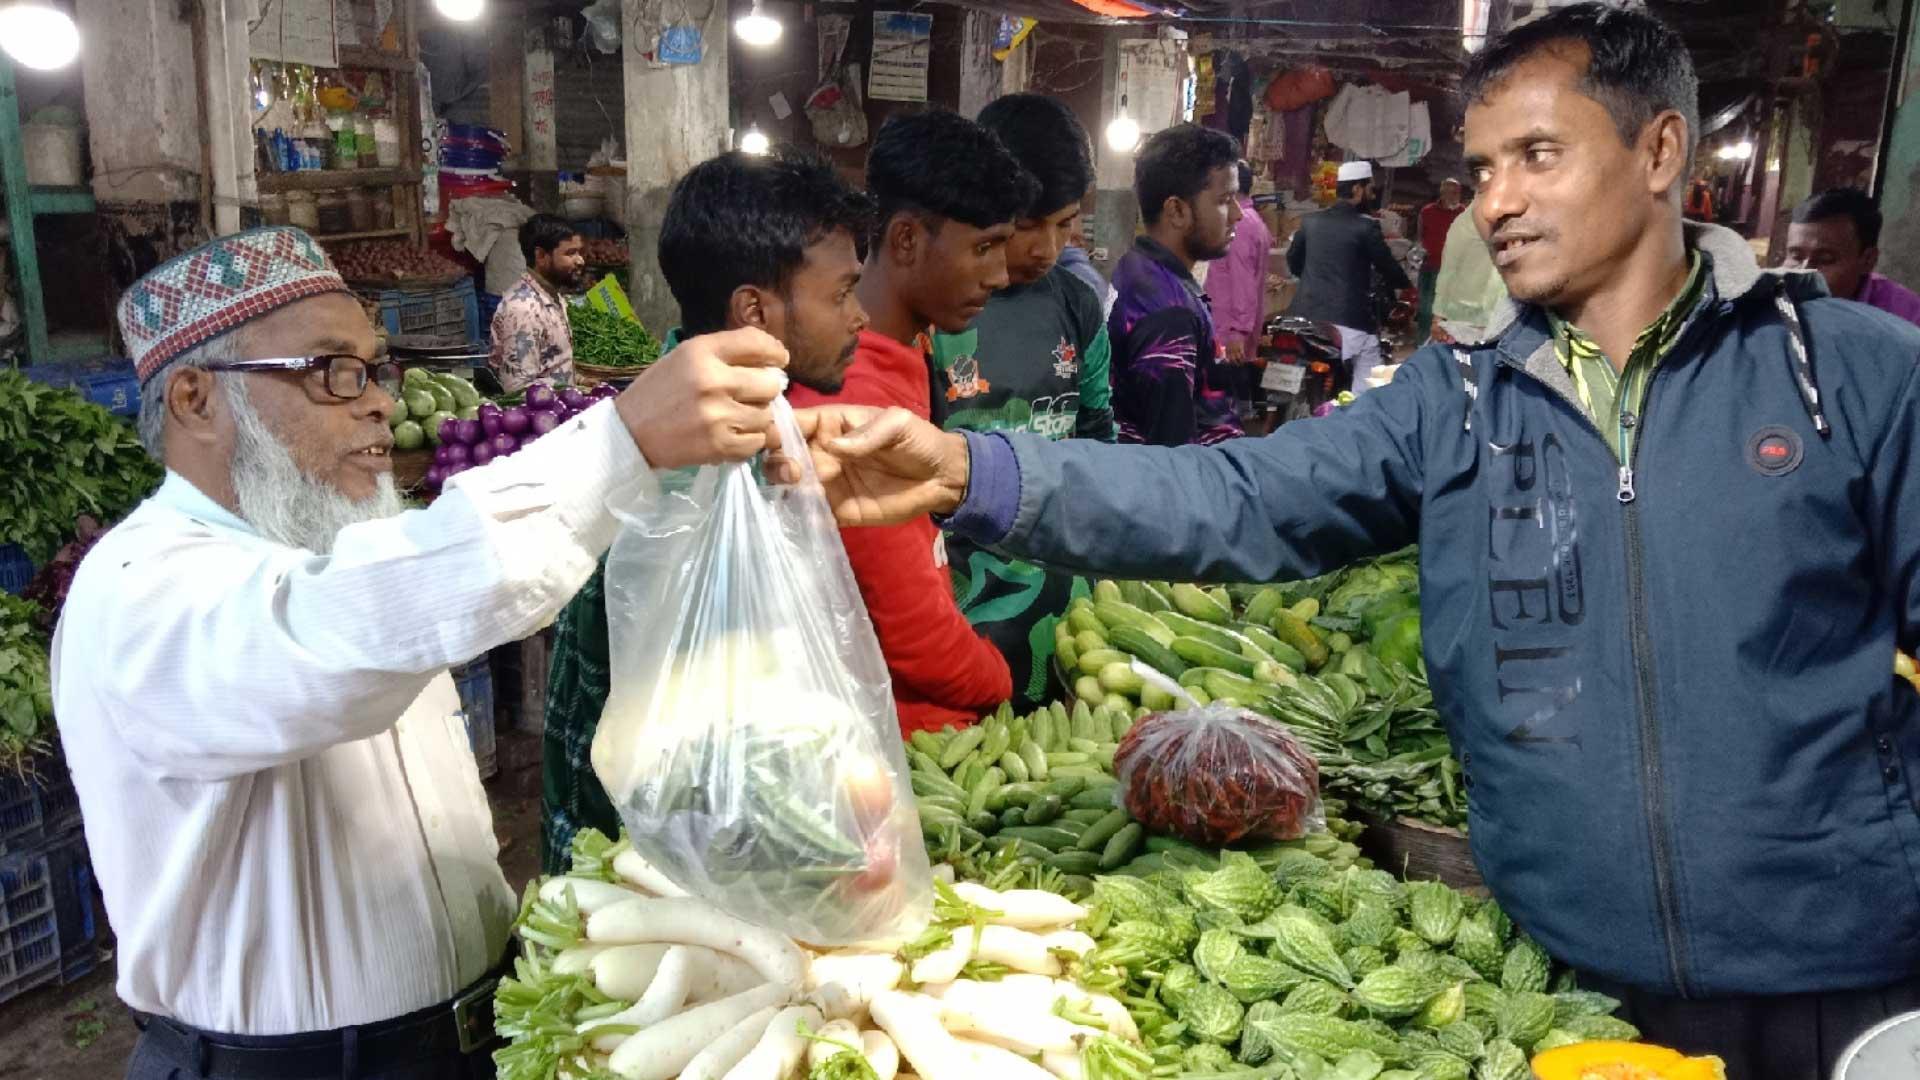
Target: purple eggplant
(492,420)
(544,422)
(540,396)
(456,454)
(482,453)
(436,476)
(515,421)
(573,399)
(504,444)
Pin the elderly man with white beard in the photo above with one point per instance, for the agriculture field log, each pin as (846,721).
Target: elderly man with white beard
(281,804)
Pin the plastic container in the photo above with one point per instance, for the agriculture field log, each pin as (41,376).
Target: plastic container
(107,381)
(29,926)
(303,210)
(450,315)
(16,570)
(332,213)
(474,680)
(386,142)
(54,154)
(360,209)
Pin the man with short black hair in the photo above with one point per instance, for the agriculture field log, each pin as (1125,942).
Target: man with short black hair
(1035,360)
(532,341)
(1665,512)
(1335,253)
(1169,387)
(761,241)
(1837,232)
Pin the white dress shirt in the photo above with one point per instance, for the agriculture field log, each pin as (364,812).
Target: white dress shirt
(281,803)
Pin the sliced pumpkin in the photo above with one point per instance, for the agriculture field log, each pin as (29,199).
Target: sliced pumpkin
(1624,1061)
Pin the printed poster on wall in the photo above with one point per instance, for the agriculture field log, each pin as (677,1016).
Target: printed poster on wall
(902,47)
(295,32)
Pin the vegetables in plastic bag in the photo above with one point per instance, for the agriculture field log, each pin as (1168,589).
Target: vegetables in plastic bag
(749,739)
(1217,775)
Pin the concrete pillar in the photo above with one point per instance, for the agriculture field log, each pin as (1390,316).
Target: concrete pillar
(676,118)
(541,156)
(1116,211)
(143,116)
(979,71)
(1899,169)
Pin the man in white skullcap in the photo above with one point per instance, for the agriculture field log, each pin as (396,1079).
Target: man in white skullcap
(1335,254)
(281,804)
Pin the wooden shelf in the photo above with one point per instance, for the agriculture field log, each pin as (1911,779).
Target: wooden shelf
(62,200)
(360,57)
(375,234)
(333,179)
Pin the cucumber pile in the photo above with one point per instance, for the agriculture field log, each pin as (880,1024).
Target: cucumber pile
(1038,793)
(1336,659)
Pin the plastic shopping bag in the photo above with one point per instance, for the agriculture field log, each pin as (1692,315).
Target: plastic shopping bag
(1219,774)
(749,739)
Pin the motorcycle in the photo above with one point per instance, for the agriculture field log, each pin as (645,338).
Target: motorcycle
(1301,366)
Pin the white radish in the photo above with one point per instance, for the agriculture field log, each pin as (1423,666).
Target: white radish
(578,960)
(1040,994)
(1119,1020)
(625,971)
(636,870)
(590,895)
(943,872)
(1001,1064)
(836,1037)
(1027,909)
(880,1053)
(780,1049)
(1071,941)
(726,1051)
(1063,1065)
(682,921)
(842,983)
(913,1022)
(663,997)
(943,964)
(721,975)
(1014,1021)
(663,1050)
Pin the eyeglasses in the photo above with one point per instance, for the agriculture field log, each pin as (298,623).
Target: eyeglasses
(345,375)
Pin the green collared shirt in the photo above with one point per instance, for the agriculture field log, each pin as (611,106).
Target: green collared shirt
(1611,398)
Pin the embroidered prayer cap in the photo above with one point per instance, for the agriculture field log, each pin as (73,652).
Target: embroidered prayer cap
(194,298)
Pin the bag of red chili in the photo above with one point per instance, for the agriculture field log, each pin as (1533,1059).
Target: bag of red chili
(1219,774)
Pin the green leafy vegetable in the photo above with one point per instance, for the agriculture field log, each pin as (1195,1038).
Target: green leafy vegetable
(608,340)
(62,456)
(26,688)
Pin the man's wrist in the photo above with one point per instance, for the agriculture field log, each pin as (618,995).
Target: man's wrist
(956,471)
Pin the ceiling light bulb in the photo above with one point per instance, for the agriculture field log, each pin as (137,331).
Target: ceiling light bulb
(38,36)
(754,142)
(459,10)
(1123,134)
(1744,150)
(757,29)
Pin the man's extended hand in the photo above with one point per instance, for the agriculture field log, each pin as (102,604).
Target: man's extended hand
(707,401)
(882,467)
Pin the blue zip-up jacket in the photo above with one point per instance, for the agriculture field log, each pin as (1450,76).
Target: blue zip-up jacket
(1689,765)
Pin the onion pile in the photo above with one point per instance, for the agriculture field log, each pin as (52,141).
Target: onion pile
(496,432)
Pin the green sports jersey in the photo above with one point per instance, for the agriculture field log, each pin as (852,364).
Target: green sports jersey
(1036,360)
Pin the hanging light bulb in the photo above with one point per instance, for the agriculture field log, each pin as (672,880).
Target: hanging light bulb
(38,35)
(756,28)
(754,142)
(1123,134)
(459,10)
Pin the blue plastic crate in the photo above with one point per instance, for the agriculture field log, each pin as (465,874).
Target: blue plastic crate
(451,315)
(16,570)
(107,381)
(475,683)
(59,802)
(70,874)
(22,817)
(26,900)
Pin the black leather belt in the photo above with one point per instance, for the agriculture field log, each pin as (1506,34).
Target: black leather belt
(461,1026)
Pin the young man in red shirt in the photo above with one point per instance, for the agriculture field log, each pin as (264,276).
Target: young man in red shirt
(948,193)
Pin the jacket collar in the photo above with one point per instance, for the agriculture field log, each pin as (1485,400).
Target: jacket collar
(1158,252)
(1521,332)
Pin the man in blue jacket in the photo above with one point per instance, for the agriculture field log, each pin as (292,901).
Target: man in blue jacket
(1669,535)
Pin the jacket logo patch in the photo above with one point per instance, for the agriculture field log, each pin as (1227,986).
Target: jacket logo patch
(1774,451)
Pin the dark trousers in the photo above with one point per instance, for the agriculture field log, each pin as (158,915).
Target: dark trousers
(154,1059)
(1782,1037)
